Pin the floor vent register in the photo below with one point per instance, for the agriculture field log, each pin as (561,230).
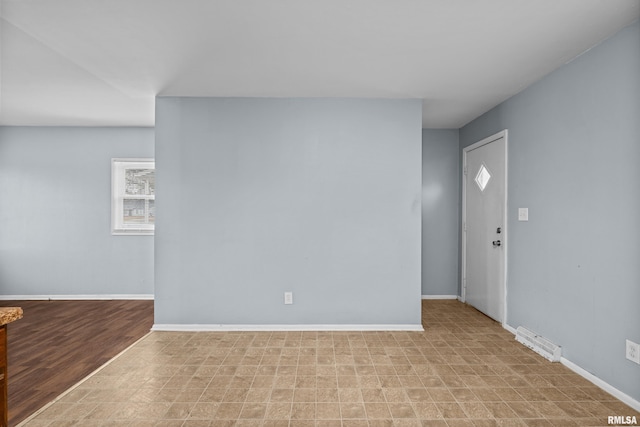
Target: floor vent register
(539,344)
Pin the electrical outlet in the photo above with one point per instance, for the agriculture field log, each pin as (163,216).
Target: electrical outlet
(523,214)
(288,297)
(633,352)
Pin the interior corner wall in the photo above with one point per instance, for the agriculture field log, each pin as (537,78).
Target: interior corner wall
(55,213)
(574,151)
(440,212)
(320,197)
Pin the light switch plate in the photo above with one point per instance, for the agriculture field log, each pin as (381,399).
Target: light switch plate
(523,214)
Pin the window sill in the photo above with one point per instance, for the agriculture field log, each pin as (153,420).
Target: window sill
(132,232)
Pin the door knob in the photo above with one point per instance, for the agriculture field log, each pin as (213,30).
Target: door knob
(496,243)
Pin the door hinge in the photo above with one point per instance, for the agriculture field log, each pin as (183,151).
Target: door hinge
(464,170)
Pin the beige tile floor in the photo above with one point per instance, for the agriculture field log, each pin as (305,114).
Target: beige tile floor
(464,370)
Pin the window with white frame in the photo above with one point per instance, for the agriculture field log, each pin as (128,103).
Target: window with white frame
(133,190)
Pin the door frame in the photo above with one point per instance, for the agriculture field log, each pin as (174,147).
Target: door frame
(463,285)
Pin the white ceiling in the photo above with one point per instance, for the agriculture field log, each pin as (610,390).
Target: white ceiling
(102,62)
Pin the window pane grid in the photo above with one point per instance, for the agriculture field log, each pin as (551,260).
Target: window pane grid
(138,197)
(138,211)
(133,196)
(139,181)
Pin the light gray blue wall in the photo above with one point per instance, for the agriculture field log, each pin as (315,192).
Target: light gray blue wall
(440,209)
(256,197)
(574,161)
(55,213)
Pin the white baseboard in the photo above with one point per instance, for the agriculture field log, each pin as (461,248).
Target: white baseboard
(509,328)
(76,297)
(440,297)
(258,328)
(625,398)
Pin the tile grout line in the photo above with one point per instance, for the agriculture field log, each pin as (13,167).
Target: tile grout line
(79,383)
(465,364)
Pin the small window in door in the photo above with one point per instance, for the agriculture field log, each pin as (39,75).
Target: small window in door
(483,177)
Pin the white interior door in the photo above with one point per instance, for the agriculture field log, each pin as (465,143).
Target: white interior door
(484,226)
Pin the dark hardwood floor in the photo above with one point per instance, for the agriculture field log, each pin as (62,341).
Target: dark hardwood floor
(58,343)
